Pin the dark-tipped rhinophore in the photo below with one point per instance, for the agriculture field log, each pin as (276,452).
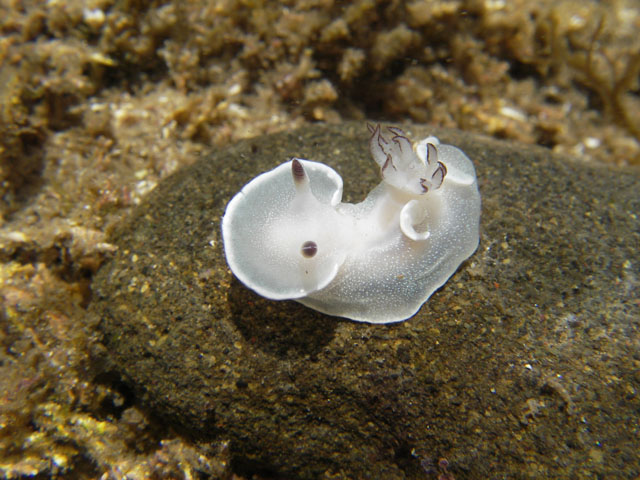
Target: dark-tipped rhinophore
(297,170)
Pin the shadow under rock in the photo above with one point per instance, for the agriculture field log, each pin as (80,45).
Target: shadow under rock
(282,328)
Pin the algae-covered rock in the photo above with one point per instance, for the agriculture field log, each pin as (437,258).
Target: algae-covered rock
(525,364)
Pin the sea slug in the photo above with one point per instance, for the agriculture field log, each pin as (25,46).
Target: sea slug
(287,235)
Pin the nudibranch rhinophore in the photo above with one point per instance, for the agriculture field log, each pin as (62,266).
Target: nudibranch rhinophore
(287,235)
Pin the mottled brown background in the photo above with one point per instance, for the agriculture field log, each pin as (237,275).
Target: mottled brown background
(102,99)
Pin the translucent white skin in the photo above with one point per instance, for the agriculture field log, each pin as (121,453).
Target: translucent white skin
(376,261)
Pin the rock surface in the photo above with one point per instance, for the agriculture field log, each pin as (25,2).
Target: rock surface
(524,365)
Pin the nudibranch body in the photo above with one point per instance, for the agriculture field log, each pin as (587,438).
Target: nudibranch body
(287,235)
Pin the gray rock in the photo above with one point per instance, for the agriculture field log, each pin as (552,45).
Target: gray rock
(524,365)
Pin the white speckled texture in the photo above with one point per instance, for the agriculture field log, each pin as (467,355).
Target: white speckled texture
(377,261)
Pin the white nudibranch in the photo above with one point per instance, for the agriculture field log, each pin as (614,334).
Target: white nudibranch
(287,235)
